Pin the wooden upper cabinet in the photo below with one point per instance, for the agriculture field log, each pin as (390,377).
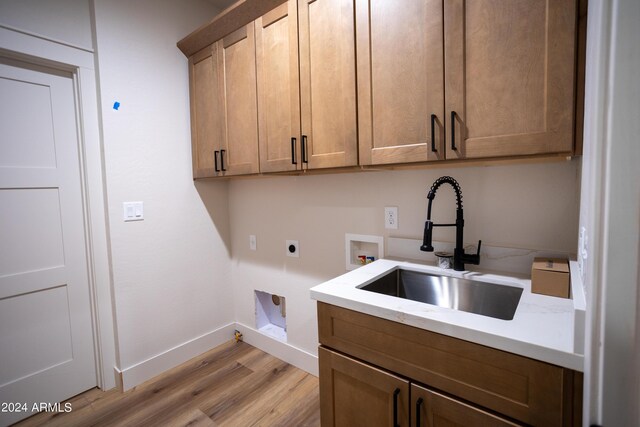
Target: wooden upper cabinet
(236,58)
(400,80)
(509,77)
(317,84)
(278,89)
(328,83)
(224,115)
(206,111)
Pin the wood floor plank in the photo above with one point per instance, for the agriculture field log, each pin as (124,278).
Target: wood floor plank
(246,393)
(266,394)
(296,407)
(231,385)
(192,418)
(140,400)
(175,399)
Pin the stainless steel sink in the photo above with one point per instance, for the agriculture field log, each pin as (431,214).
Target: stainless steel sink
(487,299)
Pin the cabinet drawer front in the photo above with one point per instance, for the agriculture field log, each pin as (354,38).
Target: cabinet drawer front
(519,387)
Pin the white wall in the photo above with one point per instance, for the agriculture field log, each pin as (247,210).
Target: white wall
(170,271)
(533,206)
(67,21)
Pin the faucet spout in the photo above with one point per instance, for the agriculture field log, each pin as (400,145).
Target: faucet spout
(459,256)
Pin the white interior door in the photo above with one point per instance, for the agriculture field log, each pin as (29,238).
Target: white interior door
(46,334)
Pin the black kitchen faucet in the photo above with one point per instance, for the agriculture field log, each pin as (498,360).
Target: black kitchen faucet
(459,256)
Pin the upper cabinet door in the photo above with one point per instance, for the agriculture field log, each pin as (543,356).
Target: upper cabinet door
(236,57)
(509,77)
(400,80)
(206,111)
(328,83)
(278,89)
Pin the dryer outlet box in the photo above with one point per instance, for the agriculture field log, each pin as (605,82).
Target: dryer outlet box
(292,248)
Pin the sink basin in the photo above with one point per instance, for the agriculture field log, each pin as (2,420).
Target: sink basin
(487,299)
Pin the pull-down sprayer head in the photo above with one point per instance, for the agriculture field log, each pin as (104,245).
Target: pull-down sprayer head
(427,237)
(459,256)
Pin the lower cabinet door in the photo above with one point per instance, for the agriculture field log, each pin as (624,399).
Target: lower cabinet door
(432,409)
(355,394)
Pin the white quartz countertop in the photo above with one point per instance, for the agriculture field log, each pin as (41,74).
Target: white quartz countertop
(542,327)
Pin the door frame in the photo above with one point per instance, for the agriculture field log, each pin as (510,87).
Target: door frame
(610,263)
(38,50)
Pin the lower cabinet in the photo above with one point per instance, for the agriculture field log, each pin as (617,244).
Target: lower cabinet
(353,393)
(375,371)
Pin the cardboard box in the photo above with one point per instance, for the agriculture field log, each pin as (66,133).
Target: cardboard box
(550,276)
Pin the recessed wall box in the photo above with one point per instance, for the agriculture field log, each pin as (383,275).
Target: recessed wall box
(360,247)
(271,315)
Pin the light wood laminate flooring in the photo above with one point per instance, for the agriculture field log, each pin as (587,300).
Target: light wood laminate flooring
(234,384)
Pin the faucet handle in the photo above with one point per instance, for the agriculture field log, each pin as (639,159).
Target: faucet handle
(472,258)
(475,259)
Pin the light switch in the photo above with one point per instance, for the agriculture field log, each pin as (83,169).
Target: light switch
(133,211)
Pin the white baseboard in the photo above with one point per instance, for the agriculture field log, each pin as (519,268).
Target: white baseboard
(290,354)
(117,375)
(143,371)
(136,374)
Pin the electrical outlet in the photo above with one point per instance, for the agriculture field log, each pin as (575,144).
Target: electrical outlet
(293,248)
(253,243)
(391,217)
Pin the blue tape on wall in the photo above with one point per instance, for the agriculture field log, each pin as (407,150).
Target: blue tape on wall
(116,105)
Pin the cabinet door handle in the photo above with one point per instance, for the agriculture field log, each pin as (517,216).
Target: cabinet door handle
(396,392)
(433,133)
(293,151)
(303,144)
(215,161)
(418,407)
(453,131)
(222,160)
